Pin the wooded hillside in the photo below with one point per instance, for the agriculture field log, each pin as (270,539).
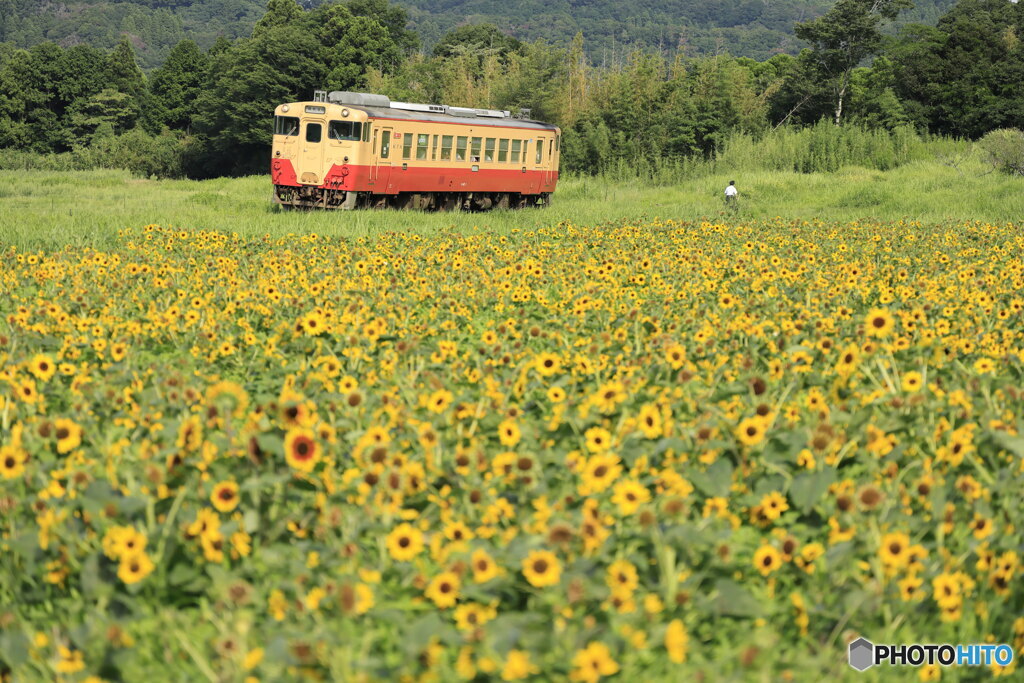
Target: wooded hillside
(747,28)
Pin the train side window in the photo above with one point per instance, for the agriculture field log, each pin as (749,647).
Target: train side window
(551,149)
(407,145)
(286,125)
(489,149)
(516,144)
(474,150)
(502,151)
(313,132)
(344,130)
(460,148)
(433,150)
(385,144)
(540,151)
(366,132)
(558,143)
(446,147)
(422,142)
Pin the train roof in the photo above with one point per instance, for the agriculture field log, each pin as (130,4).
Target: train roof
(379,106)
(405,115)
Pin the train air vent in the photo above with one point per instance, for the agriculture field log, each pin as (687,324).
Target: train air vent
(412,106)
(493,113)
(359,99)
(461,111)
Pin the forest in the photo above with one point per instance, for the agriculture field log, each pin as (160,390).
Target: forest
(206,112)
(750,28)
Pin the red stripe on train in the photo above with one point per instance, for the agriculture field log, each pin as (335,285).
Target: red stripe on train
(381,179)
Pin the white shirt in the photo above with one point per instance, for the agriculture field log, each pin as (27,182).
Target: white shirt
(730,191)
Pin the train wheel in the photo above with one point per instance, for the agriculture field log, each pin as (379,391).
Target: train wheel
(451,202)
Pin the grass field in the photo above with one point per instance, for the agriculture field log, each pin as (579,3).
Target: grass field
(39,209)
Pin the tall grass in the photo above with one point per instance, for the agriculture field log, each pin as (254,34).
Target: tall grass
(822,148)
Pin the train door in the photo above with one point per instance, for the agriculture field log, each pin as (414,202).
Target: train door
(534,153)
(380,174)
(550,163)
(311,159)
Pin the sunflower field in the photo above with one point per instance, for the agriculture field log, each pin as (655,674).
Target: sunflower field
(652,450)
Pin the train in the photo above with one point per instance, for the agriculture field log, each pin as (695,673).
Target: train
(348,150)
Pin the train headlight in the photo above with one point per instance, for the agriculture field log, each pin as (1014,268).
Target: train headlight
(285,108)
(344,112)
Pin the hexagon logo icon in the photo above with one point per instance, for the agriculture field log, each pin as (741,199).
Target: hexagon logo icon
(862,654)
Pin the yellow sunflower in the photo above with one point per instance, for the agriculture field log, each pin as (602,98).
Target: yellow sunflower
(404,542)
(225,496)
(301,449)
(541,568)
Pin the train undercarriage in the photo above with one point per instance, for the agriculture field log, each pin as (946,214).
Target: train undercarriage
(308,197)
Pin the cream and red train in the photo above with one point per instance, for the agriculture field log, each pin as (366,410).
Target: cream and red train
(345,150)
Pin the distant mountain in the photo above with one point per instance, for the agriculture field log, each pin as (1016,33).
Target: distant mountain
(751,28)
(153,26)
(748,28)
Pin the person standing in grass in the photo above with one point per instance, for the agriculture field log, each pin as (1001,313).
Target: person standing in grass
(730,193)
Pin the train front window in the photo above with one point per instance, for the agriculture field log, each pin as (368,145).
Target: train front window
(313,132)
(344,130)
(446,148)
(286,125)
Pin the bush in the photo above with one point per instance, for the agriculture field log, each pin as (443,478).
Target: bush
(1004,150)
(136,151)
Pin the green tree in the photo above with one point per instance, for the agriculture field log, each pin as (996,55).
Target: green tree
(844,37)
(83,74)
(174,88)
(477,39)
(108,108)
(279,13)
(392,17)
(963,76)
(123,72)
(30,106)
(354,43)
(873,100)
(233,115)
